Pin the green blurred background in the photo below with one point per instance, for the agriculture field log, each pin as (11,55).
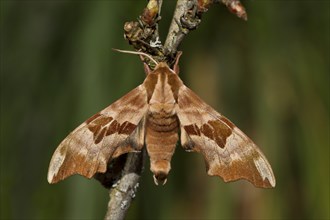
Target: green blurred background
(269,75)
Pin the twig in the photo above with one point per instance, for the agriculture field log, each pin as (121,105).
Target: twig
(122,176)
(184,10)
(124,190)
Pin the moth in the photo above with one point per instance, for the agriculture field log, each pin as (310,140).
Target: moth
(157,114)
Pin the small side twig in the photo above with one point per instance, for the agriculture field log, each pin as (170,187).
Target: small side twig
(143,34)
(187,17)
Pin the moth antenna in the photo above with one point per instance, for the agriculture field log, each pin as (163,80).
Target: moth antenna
(138,53)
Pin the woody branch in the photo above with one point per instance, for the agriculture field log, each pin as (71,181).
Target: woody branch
(143,35)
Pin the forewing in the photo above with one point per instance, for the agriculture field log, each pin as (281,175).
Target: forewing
(117,129)
(227,151)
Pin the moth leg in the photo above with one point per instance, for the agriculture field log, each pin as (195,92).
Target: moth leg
(147,69)
(176,64)
(134,142)
(186,141)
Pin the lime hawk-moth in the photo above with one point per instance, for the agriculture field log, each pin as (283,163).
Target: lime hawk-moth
(153,115)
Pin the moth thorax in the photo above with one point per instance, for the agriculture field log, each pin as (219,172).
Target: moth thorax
(160,169)
(165,108)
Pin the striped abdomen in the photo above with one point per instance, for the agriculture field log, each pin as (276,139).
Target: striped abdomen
(161,139)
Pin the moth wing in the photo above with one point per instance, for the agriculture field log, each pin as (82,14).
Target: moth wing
(227,151)
(117,129)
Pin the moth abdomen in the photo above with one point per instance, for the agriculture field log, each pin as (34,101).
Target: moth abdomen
(163,123)
(161,139)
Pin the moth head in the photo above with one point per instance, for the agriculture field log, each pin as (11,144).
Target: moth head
(156,64)
(176,68)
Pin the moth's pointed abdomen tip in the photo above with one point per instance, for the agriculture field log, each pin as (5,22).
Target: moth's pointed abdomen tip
(160,178)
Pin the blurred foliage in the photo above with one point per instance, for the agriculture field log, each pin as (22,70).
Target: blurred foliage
(269,75)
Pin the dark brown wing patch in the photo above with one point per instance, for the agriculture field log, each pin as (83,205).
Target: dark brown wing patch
(215,130)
